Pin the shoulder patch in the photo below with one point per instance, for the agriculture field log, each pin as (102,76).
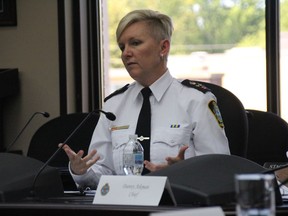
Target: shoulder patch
(196,85)
(216,112)
(119,91)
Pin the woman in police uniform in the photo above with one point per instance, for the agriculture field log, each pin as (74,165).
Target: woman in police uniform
(185,120)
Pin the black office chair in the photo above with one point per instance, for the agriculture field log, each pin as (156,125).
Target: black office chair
(234,118)
(46,139)
(268,137)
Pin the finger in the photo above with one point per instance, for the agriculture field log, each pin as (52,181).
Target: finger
(80,154)
(67,149)
(147,163)
(90,155)
(153,167)
(75,158)
(92,161)
(63,146)
(169,160)
(181,154)
(69,152)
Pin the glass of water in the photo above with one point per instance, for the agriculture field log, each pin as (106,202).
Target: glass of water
(255,194)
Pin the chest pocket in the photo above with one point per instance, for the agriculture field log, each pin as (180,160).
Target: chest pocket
(167,142)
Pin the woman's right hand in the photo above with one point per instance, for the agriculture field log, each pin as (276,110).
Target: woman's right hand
(79,164)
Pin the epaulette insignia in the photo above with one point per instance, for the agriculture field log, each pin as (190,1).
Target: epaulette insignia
(196,85)
(119,91)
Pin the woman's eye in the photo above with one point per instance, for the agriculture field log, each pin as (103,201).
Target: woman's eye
(135,43)
(121,48)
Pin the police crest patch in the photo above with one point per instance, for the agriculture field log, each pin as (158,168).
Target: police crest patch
(216,112)
(105,189)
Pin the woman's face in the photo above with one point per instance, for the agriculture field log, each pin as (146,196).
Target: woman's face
(141,53)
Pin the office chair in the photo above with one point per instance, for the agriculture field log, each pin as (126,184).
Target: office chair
(268,137)
(234,118)
(46,139)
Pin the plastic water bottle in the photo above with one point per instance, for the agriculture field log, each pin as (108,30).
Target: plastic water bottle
(133,156)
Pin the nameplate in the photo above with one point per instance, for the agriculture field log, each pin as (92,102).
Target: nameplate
(274,165)
(281,174)
(132,190)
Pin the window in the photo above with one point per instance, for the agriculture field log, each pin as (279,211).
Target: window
(221,41)
(284,58)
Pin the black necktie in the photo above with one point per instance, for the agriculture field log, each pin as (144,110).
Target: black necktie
(144,125)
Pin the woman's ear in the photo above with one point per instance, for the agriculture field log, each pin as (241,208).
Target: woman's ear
(165,47)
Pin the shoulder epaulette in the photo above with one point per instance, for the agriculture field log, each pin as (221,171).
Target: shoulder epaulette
(119,91)
(196,85)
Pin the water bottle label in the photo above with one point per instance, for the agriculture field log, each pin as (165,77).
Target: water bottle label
(138,158)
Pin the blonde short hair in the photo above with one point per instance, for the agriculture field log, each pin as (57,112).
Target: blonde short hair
(160,24)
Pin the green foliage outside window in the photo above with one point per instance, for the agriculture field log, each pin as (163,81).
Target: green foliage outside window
(202,25)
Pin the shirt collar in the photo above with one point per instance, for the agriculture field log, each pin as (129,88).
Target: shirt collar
(159,87)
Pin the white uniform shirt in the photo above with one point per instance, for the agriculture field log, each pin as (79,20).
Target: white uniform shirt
(179,116)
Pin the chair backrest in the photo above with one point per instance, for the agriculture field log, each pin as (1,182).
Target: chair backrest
(268,137)
(234,118)
(46,139)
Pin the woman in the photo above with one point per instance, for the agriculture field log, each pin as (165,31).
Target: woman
(185,118)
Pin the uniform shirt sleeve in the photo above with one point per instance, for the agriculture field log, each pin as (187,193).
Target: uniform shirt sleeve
(209,134)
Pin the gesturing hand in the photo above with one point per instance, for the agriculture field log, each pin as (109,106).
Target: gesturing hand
(79,164)
(170,160)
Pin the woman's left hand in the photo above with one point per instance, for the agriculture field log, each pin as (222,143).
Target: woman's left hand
(170,160)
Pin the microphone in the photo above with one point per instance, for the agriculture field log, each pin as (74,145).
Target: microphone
(45,114)
(109,115)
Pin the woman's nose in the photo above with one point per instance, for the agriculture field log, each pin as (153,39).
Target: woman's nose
(126,52)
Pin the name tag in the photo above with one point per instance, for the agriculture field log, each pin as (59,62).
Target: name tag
(132,190)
